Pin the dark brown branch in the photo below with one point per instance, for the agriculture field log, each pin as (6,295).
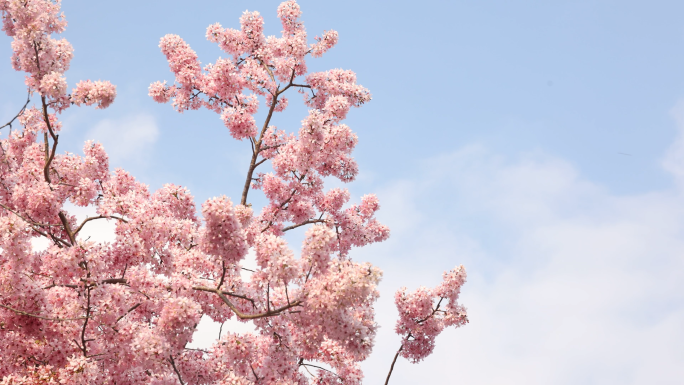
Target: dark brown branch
(128,311)
(67,228)
(48,160)
(267,70)
(264,148)
(290,84)
(241,315)
(48,156)
(223,275)
(268,300)
(98,217)
(29,221)
(35,224)
(393,362)
(41,317)
(257,148)
(85,325)
(254,373)
(435,310)
(321,368)
(46,117)
(28,100)
(114,280)
(303,223)
(59,285)
(270,223)
(175,369)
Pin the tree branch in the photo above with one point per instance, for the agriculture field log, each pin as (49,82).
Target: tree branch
(128,311)
(175,369)
(321,368)
(67,228)
(241,315)
(41,317)
(433,312)
(28,100)
(303,223)
(393,362)
(257,149)
(34,224)
(98,217)
(85,325)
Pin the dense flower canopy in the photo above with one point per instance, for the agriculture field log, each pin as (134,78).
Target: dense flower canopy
(123,312)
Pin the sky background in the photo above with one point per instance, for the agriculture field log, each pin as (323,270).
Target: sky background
(538,143)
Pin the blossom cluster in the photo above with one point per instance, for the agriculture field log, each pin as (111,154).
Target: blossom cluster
(421,320)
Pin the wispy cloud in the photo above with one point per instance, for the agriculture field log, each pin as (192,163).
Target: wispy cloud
(568,283)
(128,139)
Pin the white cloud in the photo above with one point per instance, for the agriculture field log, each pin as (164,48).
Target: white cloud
(568,283)
(128,139)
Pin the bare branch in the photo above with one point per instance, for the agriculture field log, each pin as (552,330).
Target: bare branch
(303,223)
(115,280)
(98,217)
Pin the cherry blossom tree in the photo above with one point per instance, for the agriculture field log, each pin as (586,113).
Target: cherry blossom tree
(82,312)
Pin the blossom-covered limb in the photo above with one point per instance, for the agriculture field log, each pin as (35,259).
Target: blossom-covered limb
(40,316)
(241,315)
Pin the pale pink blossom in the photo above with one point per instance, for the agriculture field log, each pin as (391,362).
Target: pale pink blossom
(101,93)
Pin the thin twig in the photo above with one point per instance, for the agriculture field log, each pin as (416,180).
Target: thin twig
(28,100)
(303,223)
(435,310)
(128,311)
(35,224)
(253,372)
(98,217)
(318,367)
(393,362)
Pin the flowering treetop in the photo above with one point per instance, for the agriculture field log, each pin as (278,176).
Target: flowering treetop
(123,312)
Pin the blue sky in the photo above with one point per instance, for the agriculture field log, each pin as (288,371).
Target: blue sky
(539,143)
